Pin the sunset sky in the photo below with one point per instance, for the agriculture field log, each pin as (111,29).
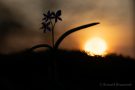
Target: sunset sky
(20,22)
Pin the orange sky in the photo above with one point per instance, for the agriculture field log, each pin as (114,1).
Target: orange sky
(115,17)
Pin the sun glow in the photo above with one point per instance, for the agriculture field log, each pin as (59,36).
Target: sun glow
(95,46)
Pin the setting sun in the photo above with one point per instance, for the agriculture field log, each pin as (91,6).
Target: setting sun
(95,46)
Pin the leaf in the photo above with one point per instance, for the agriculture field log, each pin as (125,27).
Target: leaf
(39,46)
(71,31)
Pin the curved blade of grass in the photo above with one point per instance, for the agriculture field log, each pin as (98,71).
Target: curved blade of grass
(71,31)
(39,46)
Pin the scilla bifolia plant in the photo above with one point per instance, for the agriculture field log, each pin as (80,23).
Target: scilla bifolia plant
(48,25)
(49,21)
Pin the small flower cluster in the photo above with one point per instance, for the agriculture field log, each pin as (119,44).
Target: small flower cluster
(47,24)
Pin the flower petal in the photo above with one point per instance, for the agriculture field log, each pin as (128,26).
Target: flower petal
(58,13)
(48,24)
(44,15)
(44,30)
(48,28)
(53,14)
(59,18)
(48,13)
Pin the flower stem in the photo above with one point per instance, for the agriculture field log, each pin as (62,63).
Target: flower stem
(52,38)
(53,25)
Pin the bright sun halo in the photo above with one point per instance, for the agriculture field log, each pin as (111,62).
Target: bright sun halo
(95,46)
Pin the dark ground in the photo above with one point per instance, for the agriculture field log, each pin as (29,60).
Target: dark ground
(75,70)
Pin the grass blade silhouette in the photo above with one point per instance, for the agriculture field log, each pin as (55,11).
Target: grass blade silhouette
(71,31)
(41,45)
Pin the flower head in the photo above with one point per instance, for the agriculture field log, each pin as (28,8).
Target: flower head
(57,15)
(47,16)
(46,27)
(48,24)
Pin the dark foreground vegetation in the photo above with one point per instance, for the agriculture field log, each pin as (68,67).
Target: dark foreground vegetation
(74,70)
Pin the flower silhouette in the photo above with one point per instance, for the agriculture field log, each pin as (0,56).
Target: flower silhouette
(48,24)
(46,27)
(49,21)
(47,16)
(57,15)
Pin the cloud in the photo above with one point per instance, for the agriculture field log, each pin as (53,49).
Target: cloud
(20,20)
(8,23)
(13,23)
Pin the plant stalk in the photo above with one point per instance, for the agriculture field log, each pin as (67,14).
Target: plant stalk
(53,25)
